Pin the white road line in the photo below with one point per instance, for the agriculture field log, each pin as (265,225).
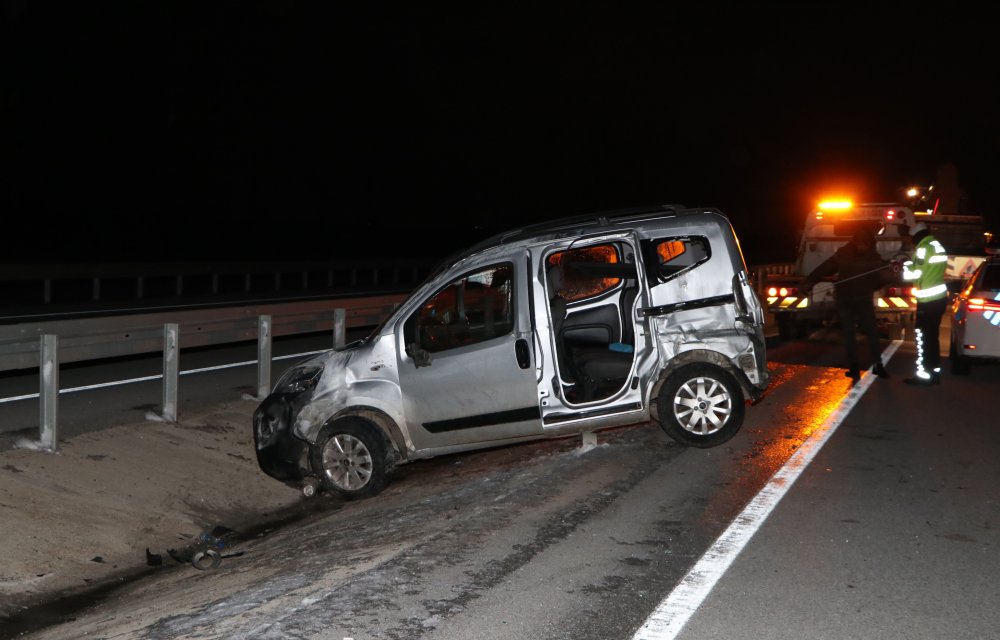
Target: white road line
(157,376)
(673,613)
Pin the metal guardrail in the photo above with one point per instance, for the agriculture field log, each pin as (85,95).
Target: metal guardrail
(36,292)
(47,344)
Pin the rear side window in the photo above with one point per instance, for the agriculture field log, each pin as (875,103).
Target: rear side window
(991,278)
(847,228)
(668,257)
(473,308)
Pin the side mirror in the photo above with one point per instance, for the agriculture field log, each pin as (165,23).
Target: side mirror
(421,357)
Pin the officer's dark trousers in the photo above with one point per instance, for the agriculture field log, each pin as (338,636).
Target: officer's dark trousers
(927,324)
(861,314)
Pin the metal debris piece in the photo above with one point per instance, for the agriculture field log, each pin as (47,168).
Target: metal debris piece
(206,559)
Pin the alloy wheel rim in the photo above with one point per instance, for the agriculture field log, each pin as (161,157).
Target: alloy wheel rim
(347,462)
(702,406)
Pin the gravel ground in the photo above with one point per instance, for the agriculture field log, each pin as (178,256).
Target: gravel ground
(83,517)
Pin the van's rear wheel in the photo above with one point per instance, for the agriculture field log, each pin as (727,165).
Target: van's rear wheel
(701,405)
(351,459)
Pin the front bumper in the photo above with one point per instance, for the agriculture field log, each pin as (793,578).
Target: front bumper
(280,453)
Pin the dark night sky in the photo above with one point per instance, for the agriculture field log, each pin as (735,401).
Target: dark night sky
(277,130)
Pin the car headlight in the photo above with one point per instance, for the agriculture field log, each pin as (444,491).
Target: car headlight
(299,379)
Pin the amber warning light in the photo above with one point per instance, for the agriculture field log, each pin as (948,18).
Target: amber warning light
(832,206)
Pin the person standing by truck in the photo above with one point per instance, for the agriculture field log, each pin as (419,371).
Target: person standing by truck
(857,266)
(926,271)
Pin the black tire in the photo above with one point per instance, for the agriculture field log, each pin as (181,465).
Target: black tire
(960,365)
(786,326)
(351,458)
(701,405)
(790,327)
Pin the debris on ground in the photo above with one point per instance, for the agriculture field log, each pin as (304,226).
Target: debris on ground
(204,553)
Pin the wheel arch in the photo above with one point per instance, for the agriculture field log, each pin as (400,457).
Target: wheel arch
(696,356)
(387,427)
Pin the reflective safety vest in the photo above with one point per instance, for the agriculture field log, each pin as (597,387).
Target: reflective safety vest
(926,270)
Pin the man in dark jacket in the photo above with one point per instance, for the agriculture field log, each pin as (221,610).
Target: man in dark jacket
(857,266)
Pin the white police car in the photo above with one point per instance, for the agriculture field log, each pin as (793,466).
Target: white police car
(975,318)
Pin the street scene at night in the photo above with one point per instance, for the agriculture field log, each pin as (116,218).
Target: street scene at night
(373,322)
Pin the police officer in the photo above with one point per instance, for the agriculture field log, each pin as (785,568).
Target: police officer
(926,271)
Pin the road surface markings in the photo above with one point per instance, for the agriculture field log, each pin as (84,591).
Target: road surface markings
(673,613)
(158,376)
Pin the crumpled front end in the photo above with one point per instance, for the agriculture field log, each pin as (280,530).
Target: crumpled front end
(281,453)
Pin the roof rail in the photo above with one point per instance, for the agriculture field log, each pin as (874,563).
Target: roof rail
(600,218)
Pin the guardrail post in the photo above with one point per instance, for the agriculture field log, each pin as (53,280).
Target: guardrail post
(263,356)
(339,328)
(49,392)
(171,370)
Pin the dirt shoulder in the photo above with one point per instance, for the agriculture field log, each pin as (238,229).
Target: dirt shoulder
(83,517)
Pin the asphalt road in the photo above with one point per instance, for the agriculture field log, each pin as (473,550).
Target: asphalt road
(890,531)
(893,531)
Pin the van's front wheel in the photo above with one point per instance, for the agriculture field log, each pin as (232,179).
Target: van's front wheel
(701,405)
(351,459)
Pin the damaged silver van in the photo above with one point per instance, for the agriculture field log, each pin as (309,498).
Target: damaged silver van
(544,331)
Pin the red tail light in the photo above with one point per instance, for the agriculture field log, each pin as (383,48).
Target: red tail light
(782,291)
(981,304)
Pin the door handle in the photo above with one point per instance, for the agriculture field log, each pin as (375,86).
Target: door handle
(522,353)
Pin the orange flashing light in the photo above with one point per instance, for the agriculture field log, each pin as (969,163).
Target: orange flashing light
(835,205)
(832,206)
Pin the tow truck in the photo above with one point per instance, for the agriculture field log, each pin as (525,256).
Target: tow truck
(830,226)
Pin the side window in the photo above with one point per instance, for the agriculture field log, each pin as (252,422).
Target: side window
(847,228)
(991,277)
(582,274)
(475,307)
(668,257)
